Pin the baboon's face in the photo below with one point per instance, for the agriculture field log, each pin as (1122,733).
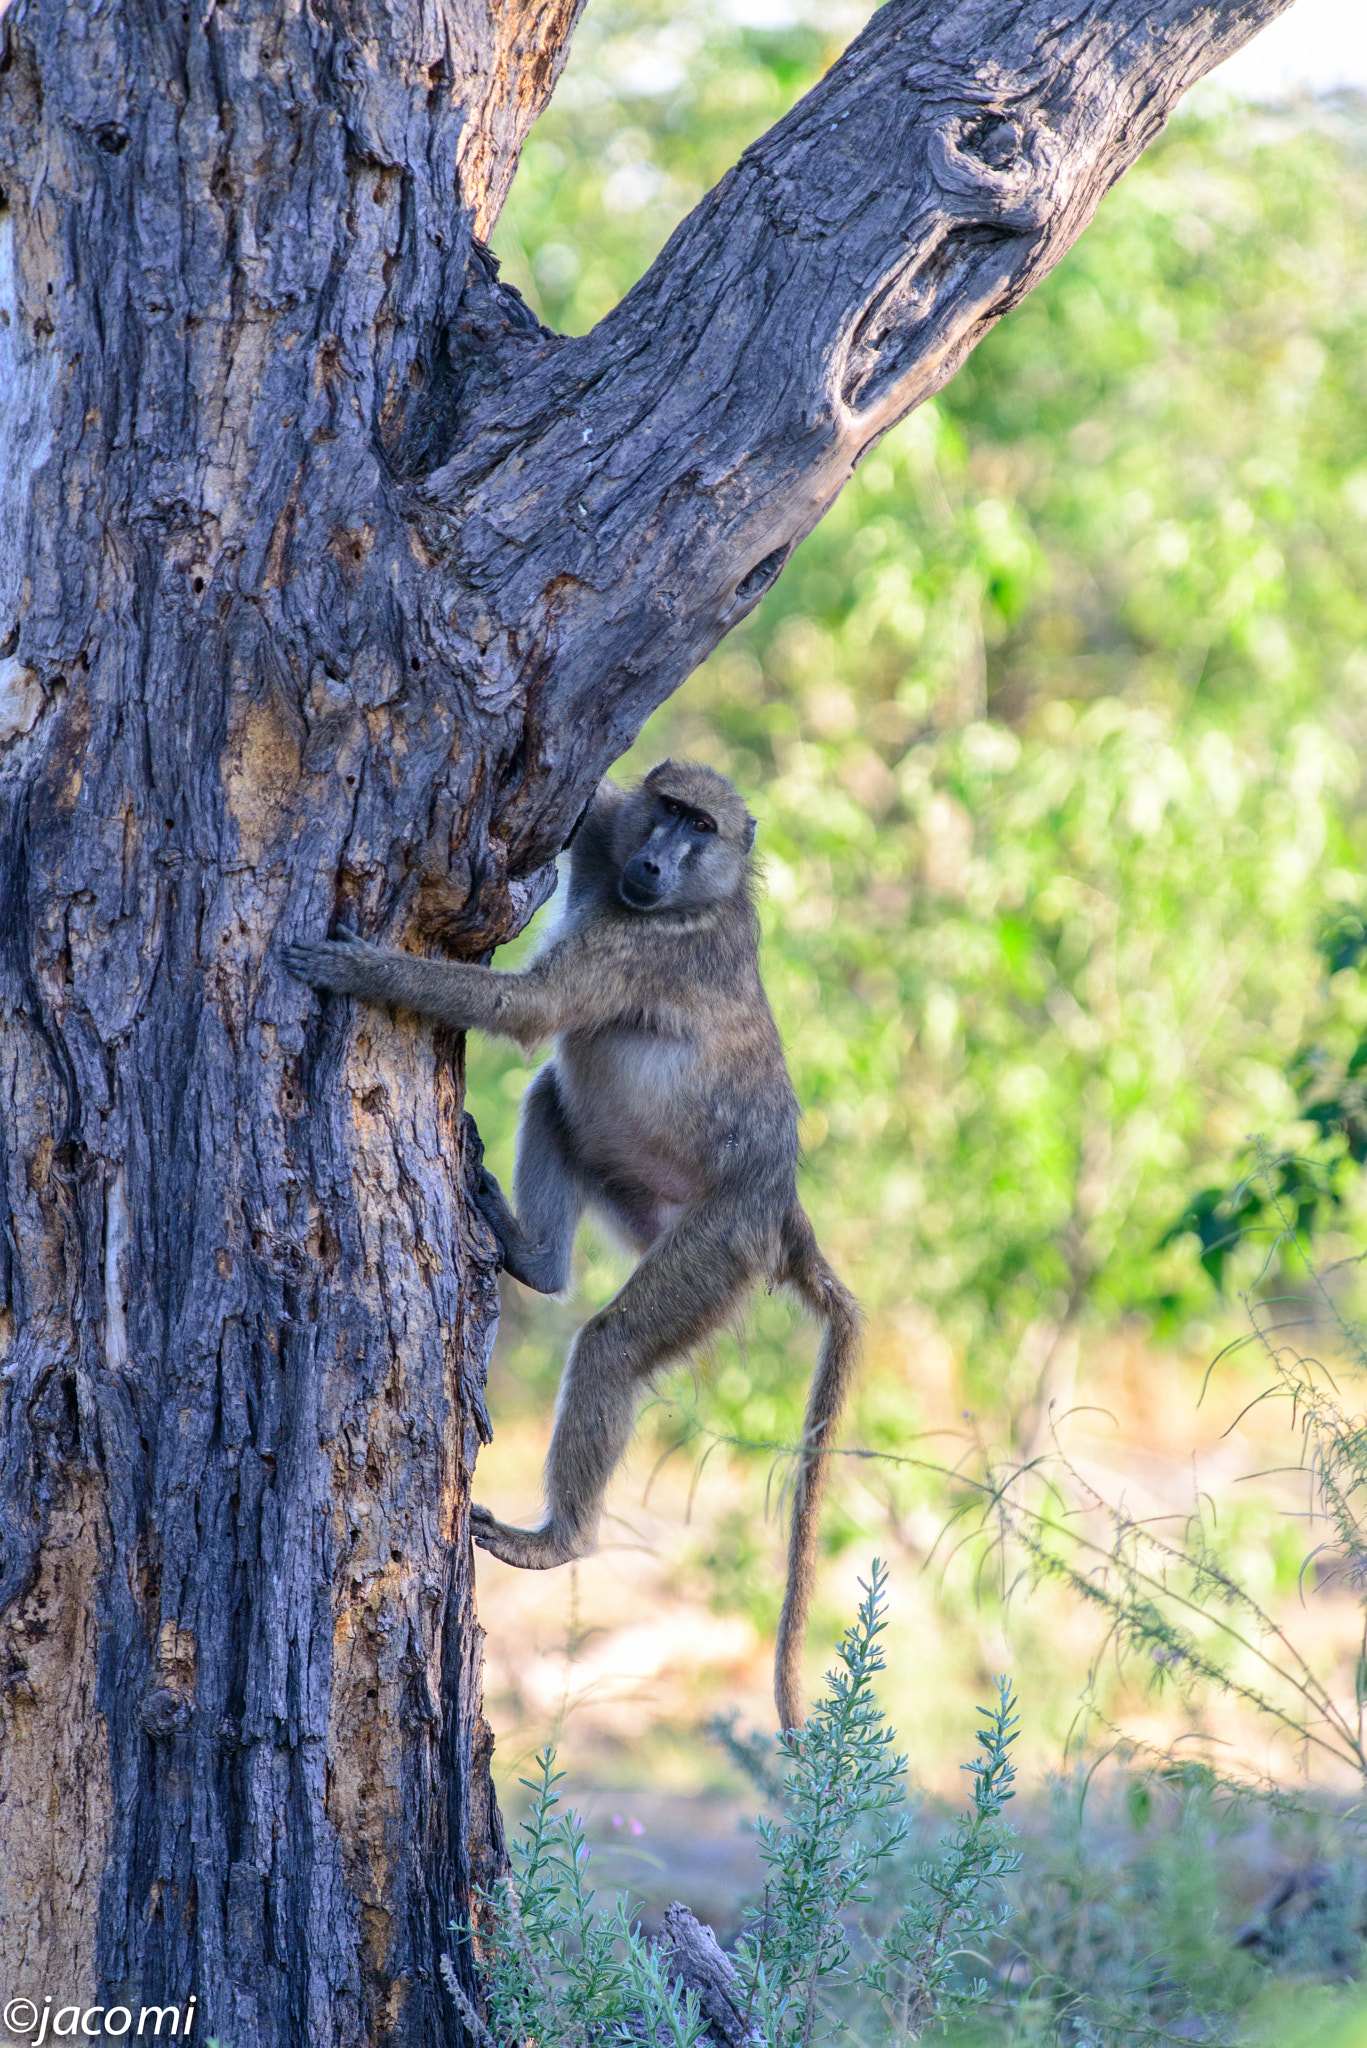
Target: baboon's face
(680,855)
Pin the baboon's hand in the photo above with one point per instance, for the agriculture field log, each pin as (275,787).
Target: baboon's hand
(535,1550)
(347,965)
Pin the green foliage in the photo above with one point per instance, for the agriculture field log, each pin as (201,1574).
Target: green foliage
(919,1970)
(560,1974)
(1121,1931)
(557,1972)
(844,1820)
(1123,1937)
(1321,1187)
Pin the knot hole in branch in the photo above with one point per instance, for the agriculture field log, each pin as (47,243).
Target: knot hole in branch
(997,169)
(761,576)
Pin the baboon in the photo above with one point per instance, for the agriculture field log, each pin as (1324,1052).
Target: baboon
(667,1110)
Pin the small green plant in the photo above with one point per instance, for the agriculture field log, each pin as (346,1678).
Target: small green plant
(557,1972)
(810,1964)
(920,1973)
(845,1818)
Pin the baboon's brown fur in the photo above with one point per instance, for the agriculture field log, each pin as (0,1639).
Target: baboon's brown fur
(667,1109)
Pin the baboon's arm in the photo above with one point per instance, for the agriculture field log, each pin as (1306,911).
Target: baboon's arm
(563,988)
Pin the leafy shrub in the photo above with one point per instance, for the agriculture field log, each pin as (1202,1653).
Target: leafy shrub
(809,1965)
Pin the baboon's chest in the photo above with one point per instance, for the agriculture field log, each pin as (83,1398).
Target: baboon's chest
(635,1101)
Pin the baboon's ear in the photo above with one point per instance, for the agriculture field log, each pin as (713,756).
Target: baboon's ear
(749,832)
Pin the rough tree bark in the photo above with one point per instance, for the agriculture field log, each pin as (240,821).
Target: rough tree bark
(329,584)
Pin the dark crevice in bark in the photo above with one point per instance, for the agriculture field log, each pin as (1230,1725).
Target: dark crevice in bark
(472,356)
(753,585)
(909,313)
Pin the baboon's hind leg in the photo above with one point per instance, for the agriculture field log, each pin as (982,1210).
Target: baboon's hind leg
(685,1286)
(535,1243)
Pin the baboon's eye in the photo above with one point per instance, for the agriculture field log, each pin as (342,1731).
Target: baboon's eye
(672,808)
(702,823)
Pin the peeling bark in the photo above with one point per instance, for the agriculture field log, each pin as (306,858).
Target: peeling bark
(329,584)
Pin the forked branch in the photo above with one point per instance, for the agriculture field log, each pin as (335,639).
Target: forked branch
(620,500)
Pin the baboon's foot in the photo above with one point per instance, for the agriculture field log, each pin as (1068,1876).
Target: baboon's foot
(534,1550)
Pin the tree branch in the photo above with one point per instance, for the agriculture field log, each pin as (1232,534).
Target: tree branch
(618,502)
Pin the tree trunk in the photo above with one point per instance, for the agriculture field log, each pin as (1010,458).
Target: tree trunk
(329,585)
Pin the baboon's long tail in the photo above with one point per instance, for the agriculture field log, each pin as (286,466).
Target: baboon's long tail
(806,1271)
